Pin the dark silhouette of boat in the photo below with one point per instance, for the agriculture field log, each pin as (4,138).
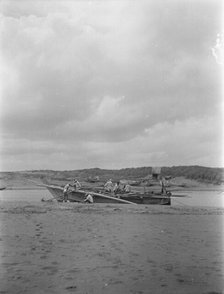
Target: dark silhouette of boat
(80,195)
(125,198)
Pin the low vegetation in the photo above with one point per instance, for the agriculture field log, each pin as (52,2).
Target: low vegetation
(198,173)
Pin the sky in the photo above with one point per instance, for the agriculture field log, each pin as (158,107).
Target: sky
(110,84)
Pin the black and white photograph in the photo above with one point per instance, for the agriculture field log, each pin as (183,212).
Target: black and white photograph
(111,147)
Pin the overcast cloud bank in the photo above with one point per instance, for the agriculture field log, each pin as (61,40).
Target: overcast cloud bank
(110,84)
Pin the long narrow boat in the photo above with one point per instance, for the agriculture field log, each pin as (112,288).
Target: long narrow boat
(147,198)
(129,198)
(80,195)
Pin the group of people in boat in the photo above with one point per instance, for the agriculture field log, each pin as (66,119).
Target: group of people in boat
(109,187)
(116,188)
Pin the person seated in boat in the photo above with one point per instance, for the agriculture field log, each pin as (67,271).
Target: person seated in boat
(117,188)
(65,192)
(127,188)
(76,185)
(89,198)
(108,187)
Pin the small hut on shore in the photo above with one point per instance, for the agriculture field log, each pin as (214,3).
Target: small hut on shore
(156,171)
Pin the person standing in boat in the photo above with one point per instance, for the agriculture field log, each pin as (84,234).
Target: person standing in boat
(163,185)
(108,187)
(65,192)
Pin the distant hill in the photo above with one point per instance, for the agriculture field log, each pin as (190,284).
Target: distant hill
(198,173)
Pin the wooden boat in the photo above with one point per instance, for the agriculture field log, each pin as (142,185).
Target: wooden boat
(147,198)
(128,198)
(80,195)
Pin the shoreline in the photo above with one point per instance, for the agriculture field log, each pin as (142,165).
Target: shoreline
(104,208)
(101,248)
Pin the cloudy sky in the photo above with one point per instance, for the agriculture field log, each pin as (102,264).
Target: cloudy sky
(110,84)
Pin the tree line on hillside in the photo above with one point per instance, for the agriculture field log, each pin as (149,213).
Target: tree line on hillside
(199,173)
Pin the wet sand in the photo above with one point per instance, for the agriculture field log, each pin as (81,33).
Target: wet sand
(81,248)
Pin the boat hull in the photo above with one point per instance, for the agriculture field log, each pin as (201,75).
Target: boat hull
(148,199)
(80,195)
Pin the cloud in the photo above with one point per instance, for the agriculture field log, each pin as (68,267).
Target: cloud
(101,73)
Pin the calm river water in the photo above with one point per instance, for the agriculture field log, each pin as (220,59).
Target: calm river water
(193,198)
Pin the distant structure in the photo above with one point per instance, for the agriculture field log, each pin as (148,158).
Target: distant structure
(156,171)
(93,179)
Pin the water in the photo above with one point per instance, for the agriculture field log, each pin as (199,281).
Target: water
(193,199)
(199,199)
(24,195)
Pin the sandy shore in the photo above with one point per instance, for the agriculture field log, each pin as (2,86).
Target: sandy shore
(77,248)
